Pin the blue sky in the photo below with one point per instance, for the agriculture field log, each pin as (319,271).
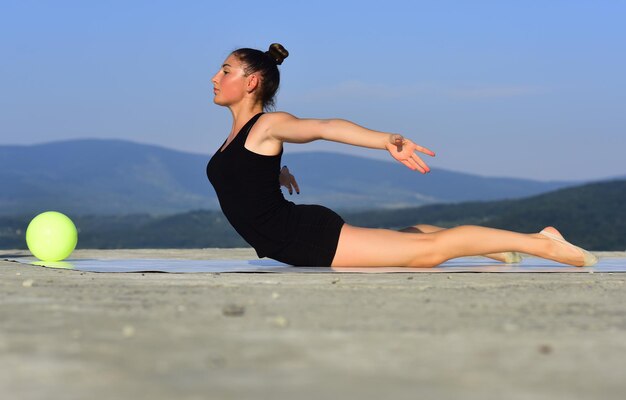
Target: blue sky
(532,89)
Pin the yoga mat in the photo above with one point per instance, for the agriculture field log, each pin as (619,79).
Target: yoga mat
(466,264)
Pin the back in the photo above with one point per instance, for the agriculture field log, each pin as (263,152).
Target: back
(249,193)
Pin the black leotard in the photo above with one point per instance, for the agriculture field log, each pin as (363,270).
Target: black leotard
(249,193)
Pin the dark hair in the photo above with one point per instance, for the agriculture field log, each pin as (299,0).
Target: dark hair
(266,63)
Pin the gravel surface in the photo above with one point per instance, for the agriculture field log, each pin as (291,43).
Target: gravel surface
(76,335)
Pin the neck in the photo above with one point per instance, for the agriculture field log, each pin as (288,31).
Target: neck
(242,113)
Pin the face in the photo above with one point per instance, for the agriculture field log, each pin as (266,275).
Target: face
(230,85)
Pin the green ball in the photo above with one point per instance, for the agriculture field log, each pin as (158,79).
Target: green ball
(51,236)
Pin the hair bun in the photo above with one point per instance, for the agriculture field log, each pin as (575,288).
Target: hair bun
(277,52)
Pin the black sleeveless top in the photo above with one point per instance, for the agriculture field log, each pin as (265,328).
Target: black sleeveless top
(249,193)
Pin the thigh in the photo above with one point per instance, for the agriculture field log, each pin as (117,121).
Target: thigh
(366,247)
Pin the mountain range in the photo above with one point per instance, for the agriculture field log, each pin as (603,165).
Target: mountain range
(106,177)
(592,216)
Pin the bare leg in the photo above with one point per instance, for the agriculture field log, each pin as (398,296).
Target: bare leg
(364,247)
(505,257)
(423,228)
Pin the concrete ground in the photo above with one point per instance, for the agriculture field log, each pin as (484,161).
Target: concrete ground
(76,335)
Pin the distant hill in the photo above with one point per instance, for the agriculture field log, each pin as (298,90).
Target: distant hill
(593,216)
(101,177)
(104,177)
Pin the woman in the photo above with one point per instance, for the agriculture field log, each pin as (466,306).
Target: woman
(245,174)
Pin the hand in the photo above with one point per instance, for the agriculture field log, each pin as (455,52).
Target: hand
(405,150)
(287,180)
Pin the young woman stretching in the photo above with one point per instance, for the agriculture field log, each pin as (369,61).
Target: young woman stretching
(245,174)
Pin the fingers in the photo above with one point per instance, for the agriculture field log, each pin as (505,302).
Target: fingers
(425,150)
(287,180)
(295,184)
(419,167)
(399,141)
(292,184)
(411,165)
(418,161)
(415,163)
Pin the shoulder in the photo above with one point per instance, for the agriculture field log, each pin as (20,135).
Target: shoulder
(277,121)
(285,127)
(277,117)
(260,138)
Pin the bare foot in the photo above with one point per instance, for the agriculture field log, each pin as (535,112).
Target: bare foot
(565,252)
(553,231)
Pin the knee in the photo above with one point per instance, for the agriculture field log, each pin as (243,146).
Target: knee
(428,254)
(411,229)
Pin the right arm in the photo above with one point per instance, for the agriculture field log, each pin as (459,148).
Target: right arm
(287,128)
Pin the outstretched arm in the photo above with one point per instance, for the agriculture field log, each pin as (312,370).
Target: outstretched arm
(287,128)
